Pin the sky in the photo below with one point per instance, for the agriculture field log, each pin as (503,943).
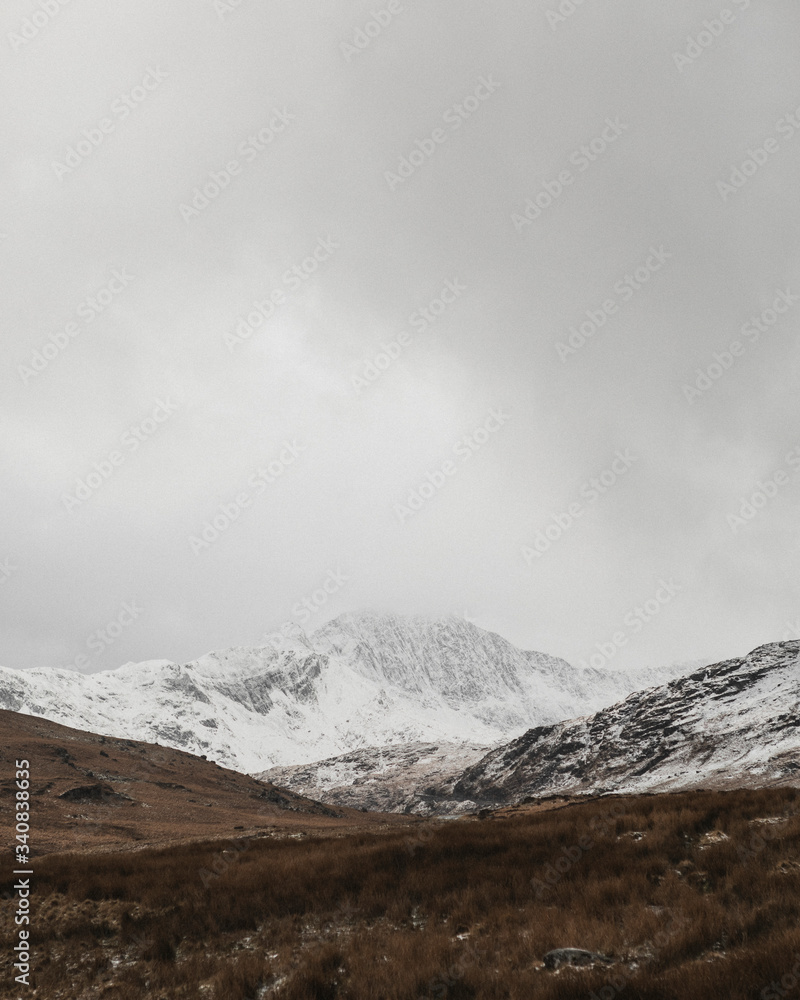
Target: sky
(449,308)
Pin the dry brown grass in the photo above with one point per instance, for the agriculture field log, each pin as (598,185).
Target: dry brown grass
(443,910)
(153,794)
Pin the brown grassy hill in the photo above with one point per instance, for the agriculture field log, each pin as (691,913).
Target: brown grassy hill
(688,896)
(91,792)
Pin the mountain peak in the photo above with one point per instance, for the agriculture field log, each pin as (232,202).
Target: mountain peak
(367,678)
(364,679)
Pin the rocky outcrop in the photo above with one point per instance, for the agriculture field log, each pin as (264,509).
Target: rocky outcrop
(732,723)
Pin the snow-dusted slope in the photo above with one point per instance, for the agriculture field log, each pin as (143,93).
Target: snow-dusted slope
(363,680)
(414,777)
(731,723)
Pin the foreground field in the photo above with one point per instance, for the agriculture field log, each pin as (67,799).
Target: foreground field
(690,896)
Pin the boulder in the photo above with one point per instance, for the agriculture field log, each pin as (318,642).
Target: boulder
(573,956)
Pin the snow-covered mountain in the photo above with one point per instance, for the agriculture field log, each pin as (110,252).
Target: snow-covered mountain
(726,725)
(363,680)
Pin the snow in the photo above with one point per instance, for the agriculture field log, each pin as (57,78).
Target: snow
(731,723)
(363,680)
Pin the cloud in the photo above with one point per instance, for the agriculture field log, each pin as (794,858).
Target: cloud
(288,140)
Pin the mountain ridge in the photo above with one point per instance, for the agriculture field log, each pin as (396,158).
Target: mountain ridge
(362,680)
(727,724)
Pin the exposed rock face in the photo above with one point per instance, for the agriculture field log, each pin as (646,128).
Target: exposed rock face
(731,723)
(93,793)
(363,680)
(417,778)
(574,956)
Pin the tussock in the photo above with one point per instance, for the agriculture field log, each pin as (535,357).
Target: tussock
(458,910)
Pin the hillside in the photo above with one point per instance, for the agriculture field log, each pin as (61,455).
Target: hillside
(91,792)
(730,724)
(361,681)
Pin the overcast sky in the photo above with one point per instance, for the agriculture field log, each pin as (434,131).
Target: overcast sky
(194,480)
